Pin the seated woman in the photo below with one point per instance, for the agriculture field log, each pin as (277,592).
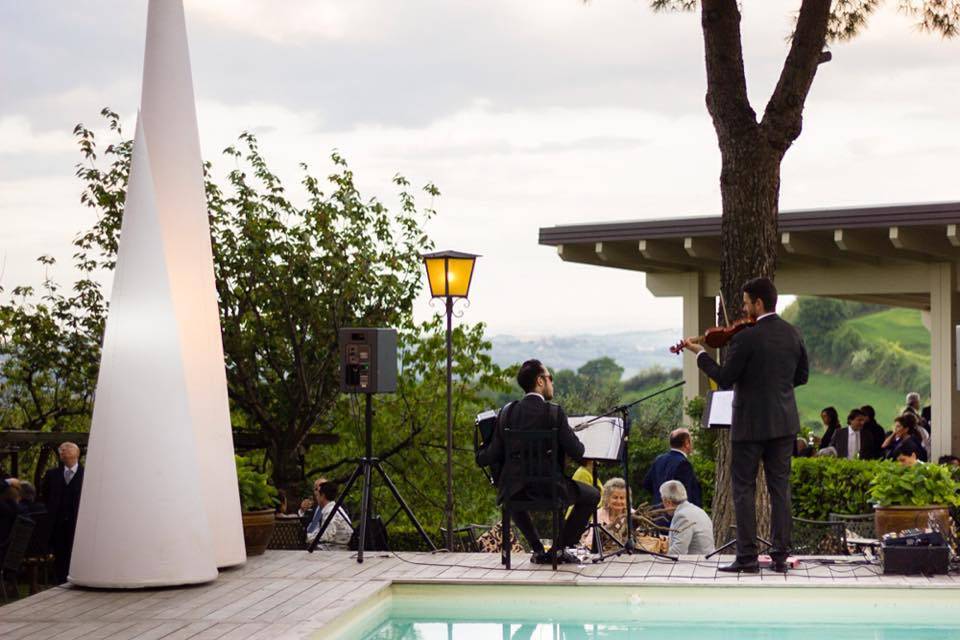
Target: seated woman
(611,514)
(904,426)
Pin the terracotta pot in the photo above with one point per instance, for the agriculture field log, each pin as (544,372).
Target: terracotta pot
(257,530)
(895,519)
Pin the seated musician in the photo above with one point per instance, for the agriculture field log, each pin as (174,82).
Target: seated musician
(535,412)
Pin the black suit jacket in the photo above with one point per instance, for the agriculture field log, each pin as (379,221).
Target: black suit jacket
(530,413)
(763,364)
(673,465)
(62,499)
(870,447)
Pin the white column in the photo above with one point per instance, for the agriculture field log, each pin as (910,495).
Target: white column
(945,401)
(699,313)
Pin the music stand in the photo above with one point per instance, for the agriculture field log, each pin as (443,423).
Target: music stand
(718,414)
(629,547)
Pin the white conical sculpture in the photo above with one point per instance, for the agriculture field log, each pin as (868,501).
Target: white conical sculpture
(160,504)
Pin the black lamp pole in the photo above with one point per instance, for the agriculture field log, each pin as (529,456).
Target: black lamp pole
(449,509)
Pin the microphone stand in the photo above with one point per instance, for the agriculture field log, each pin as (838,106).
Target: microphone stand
(628,546)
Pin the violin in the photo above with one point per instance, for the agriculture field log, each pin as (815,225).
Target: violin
(717,337)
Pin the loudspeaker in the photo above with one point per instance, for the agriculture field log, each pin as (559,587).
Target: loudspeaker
(368,360)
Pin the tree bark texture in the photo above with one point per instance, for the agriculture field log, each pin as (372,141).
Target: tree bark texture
(751,153)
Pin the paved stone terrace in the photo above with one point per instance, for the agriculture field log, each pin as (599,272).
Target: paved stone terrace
(292,594)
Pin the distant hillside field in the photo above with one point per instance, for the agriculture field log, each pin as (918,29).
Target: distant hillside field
(897,327)
(825,390)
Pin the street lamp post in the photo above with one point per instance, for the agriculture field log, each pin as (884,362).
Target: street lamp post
(449,274)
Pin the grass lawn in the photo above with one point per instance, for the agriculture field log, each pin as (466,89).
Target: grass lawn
(824,390)
(896,326)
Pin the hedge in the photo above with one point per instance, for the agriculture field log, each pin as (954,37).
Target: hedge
(822,486)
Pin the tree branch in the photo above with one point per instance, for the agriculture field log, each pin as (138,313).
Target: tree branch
(783,117)
(726,98)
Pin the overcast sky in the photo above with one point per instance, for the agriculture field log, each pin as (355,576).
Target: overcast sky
(525,113)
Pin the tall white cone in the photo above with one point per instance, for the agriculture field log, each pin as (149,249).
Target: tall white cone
(160,504)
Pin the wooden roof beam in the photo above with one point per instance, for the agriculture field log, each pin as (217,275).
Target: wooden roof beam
(865,243)
(819,245)
(703,248)
(673,253)
(924,241)
(628,257)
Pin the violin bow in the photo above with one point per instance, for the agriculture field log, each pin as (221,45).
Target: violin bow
(723,308)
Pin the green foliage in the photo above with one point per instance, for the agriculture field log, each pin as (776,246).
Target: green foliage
(256,492)
(288,277)
(593,388)
(409,428)
(653,377)
(918,486)
(705,468)
(821,486)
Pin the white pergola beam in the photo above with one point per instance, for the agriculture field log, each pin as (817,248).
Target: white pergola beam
(923,242)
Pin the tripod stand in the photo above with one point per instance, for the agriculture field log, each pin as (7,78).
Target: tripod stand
(366,465)
(628,546)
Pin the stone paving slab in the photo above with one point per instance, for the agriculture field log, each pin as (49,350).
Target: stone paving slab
(293,594)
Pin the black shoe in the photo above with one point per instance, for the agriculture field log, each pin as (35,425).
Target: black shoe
(741,567)
(540,557)
(568,558)
(779,566)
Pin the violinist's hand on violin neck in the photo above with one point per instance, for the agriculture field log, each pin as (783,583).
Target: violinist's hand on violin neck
(693,344)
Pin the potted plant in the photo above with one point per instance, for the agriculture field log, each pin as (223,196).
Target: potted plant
(258,501)
(914,497)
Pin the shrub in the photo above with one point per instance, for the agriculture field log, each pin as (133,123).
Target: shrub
(821,486)
(918,486)
(256,492)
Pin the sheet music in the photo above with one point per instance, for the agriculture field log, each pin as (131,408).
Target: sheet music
(721,409)
(601,439)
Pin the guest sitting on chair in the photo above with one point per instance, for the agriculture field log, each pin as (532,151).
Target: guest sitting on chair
(612,515)
(904,428)
(338,532)
(691,532)
(908,453)
(532,413)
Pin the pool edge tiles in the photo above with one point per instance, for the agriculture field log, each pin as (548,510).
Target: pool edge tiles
(407,600)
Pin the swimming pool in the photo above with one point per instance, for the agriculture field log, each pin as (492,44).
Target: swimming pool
(512,612)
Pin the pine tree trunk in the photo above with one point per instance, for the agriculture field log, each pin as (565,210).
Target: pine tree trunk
(749,187)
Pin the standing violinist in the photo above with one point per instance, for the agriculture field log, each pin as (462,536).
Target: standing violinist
(763,364)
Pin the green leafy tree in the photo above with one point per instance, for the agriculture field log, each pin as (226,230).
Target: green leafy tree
(409,430)
(288,277)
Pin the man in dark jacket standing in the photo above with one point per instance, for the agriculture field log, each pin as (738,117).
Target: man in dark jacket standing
(763,364)
(60,491)
(535,412)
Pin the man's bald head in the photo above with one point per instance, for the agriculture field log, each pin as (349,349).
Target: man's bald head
(69,454)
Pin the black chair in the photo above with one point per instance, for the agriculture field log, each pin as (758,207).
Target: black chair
(818,537)
(16,548)
(465,538)
(536,453)
(862,525)
(289,534)
(38,553)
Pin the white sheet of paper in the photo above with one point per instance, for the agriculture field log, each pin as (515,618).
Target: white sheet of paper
(721,408)
(601,440)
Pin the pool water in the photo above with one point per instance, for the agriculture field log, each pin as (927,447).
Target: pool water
(508,612)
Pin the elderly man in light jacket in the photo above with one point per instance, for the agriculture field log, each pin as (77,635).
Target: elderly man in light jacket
(691,531)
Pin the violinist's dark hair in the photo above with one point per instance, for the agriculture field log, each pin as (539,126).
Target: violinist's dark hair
(763,289)
(528,374)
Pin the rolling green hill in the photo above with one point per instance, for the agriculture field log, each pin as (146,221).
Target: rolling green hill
(891,331)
